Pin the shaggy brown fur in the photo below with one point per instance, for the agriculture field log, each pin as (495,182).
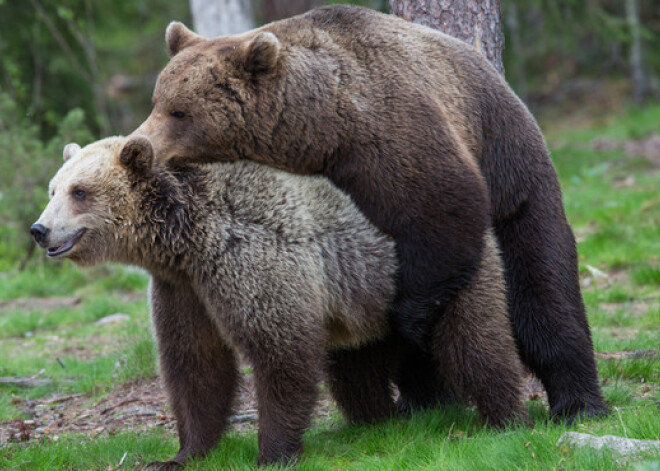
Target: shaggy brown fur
(407,121)
(282,268)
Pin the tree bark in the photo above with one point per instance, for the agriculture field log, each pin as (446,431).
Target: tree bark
(640,82)
(515,42)
(277,9)
(213,18)
(477,22)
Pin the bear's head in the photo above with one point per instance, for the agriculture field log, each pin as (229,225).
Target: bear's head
(95,201)
(211,92)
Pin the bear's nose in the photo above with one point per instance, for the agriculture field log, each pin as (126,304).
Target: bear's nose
(39,233)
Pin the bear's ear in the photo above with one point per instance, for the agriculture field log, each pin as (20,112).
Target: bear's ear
(178,37)
(70,150)
(262,53)
(137,155)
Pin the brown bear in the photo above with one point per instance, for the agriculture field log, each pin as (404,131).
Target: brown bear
(282,268)
(407,121)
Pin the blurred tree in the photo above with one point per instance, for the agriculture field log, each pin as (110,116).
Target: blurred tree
(277,9)
(380,5)
(475,22)
(59,55)
(47,59)
(213,18)
(515,41)
(85,65)
(571,48)
(639,79)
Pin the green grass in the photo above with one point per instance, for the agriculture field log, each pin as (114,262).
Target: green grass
(448,439)
(16,323)
(618,229)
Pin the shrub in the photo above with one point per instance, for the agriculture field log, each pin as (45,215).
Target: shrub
(26,166)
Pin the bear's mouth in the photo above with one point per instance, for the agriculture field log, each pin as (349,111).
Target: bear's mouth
(66,246)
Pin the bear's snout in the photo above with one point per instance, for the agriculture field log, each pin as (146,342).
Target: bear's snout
(39,234)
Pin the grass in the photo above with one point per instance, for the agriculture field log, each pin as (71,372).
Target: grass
(613,205)
(448,439)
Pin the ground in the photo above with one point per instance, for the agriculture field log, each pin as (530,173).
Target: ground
(139,406)
(80,392)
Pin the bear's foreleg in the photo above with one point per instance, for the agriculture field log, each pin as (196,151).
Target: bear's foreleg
(287,369)
(359,380)
(198,368)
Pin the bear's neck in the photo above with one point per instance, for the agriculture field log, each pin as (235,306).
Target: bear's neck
(165,238)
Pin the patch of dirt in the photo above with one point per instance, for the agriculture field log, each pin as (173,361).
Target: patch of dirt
(647,148)
(621,333)
(634,309)
(39,304)
(143,405)
(599,279)
(584,232)
(85,349)
(131,407)
(55,303)
(78,348)
(533,389)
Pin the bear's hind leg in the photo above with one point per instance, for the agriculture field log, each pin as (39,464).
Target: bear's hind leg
(359,380)
(474,347)
(198,369)
(418,379)
(547,311)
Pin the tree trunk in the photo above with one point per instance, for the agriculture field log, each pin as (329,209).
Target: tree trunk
(640,82)
(515,42)
(277,9)
(213,18)
(476,22)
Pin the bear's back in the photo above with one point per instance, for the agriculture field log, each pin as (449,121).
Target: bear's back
(389,63)
(290,205)
(373,36)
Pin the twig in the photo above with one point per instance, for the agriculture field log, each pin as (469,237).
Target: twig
(61,399)
(634,354)
(119,404)
(121,461)
(42,371)
(247,415)
(241,418)
(61,363)
(24,382)
(27,382)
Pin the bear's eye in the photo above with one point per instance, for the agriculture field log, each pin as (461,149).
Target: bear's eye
(178,114)
(79,194)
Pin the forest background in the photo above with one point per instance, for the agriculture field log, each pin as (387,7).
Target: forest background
(82,69)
